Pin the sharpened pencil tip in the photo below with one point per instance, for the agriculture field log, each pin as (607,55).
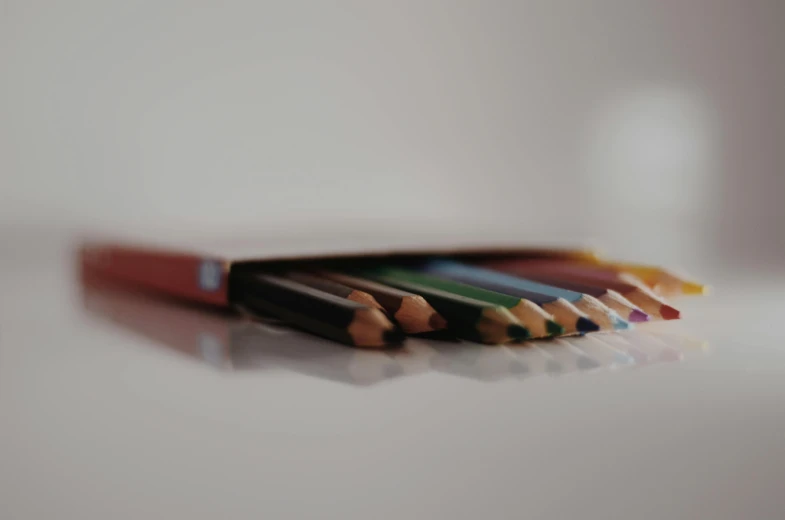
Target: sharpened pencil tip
(637,316)
(694,288)
(553,328)
(518,332)
(586,325)
(436,322)
(620,324)
(669,313)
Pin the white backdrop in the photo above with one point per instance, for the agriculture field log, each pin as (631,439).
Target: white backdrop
(572,117)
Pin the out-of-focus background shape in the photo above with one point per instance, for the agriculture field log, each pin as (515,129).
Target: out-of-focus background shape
(660,119)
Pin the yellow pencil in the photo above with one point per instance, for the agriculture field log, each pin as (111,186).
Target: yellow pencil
(661,280)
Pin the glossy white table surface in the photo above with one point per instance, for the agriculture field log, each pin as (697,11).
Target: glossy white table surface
(99,421)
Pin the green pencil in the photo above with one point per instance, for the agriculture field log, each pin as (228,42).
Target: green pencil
(468,318)
(532,316)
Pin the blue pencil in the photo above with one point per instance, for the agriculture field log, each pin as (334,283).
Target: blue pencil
(544,295)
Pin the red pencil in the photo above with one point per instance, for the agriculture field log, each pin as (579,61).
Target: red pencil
(626,309)
(626,285)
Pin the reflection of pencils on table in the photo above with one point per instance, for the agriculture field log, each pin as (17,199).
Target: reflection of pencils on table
(468,318)
(485,364)
(316,311)
(636,292)
(539,323)
(567,353)
(576,312)
(263,346)
(618,343)
(603,353)
(532,361)
(415,358)
(411,311)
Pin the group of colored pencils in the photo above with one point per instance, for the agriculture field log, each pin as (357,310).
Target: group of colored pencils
(491,300)
(227,343)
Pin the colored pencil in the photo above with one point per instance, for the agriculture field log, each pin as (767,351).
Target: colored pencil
(613,300)
(541,294)
(315,311)
(468,318)
(332,287)
(583,255)
(663,281)
(636,292)
(539,323)
(532,316)
(564,313)
(411,311)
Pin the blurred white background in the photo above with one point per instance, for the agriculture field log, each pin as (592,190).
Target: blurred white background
(656,127)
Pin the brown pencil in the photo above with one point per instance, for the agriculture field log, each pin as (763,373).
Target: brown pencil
(332,287)
(414,314)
